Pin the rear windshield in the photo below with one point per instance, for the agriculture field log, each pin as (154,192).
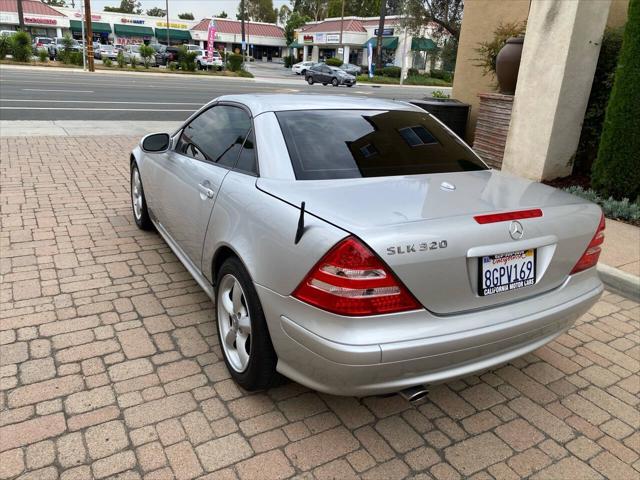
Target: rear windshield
(329,144)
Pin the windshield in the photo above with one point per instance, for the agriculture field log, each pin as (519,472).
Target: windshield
(44,40)
(159,48)
(330,144)
(106,47)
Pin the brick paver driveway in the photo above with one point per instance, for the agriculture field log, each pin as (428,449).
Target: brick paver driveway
(111,365)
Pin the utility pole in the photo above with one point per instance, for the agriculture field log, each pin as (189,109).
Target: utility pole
(84,47)
(341,29)
(383,10)
(89,38)
(167,12)
(20,15)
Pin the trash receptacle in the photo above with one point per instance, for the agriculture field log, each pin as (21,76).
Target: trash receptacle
(453,113)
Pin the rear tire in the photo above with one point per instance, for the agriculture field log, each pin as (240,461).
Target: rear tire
(138,201)
(310,80)
(242,329)
(334,82)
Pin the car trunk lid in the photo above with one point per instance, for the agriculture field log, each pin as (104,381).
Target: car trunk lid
(423,227)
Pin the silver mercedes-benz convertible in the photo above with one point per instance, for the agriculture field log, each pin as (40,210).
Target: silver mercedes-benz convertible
(358,246)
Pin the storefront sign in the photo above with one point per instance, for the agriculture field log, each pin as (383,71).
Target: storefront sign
(95,18)
(333,38)
(163,24)
(40,21)
(307,39)
(137,21)
(9,18)
(386,32)
(321,37)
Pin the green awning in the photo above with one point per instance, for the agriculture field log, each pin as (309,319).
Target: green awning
(423,44)
(161,34)
(390,43)
(97,27)
(132,30)
(295,45)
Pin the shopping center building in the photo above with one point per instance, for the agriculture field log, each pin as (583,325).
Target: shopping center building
(264,40)
(335,37)
(40,20)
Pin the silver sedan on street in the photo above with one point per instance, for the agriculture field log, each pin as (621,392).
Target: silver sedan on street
(358,246)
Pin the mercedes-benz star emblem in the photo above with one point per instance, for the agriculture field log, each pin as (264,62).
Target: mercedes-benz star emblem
(515,230)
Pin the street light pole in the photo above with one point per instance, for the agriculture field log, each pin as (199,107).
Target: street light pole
(167,12)
(242,45)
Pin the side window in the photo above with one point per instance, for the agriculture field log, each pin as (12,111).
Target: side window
(217,135)
(247,159)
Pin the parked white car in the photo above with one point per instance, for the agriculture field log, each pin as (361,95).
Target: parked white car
(204,62)
(133,51)
(302,67)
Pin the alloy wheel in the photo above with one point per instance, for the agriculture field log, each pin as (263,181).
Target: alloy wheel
(136,194)
(234,323)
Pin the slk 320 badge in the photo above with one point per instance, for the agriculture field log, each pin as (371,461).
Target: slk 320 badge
(416,247)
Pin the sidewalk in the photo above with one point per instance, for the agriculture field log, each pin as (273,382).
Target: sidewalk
(619,265)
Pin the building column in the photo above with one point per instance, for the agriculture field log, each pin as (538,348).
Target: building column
(345,53)
(315,53)
(305,52)
(559,58)
(58,32)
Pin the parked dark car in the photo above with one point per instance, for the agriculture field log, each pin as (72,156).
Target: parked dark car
(163,56)
(323,73)
(170,55)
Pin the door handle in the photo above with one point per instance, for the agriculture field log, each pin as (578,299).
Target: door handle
(206,190)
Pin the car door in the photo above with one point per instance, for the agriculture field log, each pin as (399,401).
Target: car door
(205,150)
(326,74)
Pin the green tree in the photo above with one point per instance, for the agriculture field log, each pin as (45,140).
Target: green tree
(126,6)
(283,14)
(222,14)
(147,52)
(313,9)
(186,16)
(295,20)
(21,46)
(156,12)
(55,3)
(447,14)
(258,10)
(616,171)
(361,8)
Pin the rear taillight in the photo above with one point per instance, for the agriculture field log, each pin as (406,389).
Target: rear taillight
(351,280)
(590,256)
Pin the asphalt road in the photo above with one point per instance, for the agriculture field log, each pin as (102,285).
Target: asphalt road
(59,95)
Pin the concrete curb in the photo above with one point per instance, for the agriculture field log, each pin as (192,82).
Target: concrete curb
(620,280)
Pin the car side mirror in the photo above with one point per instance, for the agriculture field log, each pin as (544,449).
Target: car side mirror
(156,142)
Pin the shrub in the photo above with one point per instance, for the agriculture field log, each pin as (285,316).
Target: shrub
(441,74)
(134,62)
(75,58)
(289,61)
(334,62)
(120,60)
(5,46)
(439,94)
(599,97)
(234,62)
(43,55)
(488,51)
(21,46)
(243,73)
(147,53)
(187,59)
(393,72)
(412,71)
(106,61)
(619,209)
(173,66)
(616,171)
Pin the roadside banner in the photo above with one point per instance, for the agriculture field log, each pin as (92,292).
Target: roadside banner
(370,55)
(211,38)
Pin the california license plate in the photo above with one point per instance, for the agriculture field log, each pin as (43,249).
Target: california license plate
(506,271)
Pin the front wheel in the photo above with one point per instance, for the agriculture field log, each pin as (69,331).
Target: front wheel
(334,82)
(138,202)
(310,80)
(242,328)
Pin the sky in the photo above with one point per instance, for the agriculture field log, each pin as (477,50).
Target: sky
(199,8)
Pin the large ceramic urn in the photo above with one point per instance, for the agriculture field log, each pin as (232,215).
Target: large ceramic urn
(508,64)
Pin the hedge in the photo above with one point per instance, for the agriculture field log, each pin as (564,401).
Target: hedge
(333,62)
(616,171)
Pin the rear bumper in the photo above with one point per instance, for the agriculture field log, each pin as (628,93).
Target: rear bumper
(361,369)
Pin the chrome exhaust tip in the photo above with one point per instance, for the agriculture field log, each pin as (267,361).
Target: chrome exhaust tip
(414,395)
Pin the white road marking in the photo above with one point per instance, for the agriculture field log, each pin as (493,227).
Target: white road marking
(92,102)
(97,109)
(68,91)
